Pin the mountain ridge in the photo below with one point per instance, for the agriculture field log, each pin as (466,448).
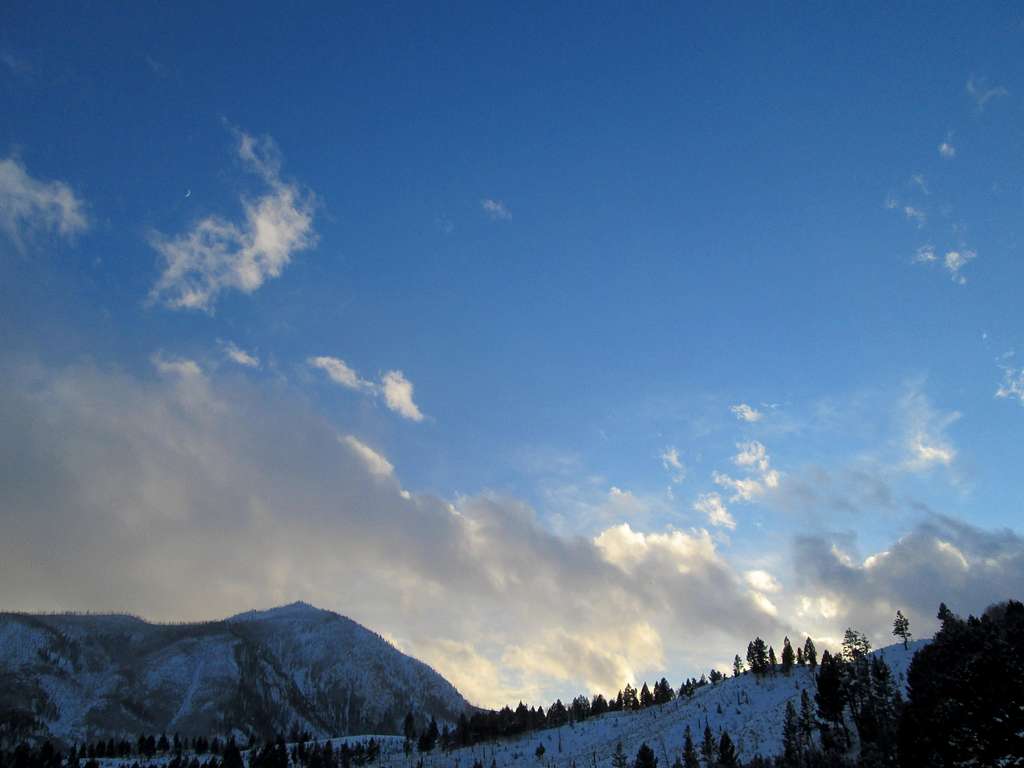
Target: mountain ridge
(84,676)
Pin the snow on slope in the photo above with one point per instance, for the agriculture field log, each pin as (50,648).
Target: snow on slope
(87,676)
(751,709)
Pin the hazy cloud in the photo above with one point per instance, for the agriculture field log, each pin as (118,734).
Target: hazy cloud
(495,209)
(670,461)
(177,506)
(947,150)
(29,205)
(218,255)
(957,260)
(979,90)
(1013,384)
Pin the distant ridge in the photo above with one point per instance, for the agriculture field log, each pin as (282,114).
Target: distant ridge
(85,676)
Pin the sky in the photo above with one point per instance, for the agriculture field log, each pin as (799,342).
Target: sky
(563,346)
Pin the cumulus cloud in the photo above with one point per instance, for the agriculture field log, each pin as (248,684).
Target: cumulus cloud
(218,255)
(495,209)
(979,90)
(744,412)
(236,354)
(375,462)
(176,506)
(713,508)
(753,458)
(940,560)
(396,390)
(29,205)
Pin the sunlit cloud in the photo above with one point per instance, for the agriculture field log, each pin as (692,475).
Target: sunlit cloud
(218,255)
(744,412)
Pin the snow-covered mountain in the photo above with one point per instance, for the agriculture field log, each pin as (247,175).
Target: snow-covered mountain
(749,707)
(85,676)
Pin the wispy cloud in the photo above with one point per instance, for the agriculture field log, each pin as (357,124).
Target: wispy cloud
(979,90)
(954,261)
(920,182)
(236,354)
(926,443)
(917,215)
(713,508)
(396,390)
(670,461)
(1013,384)
(925,254)
(744,412)
(28,205)
(496,209)
(218,255)
(947,150)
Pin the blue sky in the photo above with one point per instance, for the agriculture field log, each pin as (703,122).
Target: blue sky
(553,250)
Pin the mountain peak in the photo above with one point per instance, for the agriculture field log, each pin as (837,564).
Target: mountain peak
(296,610)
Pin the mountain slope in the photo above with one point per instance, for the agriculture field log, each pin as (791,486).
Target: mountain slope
(256,673)
(751,709)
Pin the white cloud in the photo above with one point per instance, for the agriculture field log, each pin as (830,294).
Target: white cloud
(398,395)
(1013,384)
(218,255)
(496,209)
(919,180)
(978,90)
(744,489)
(376,463)
(340,373)
(394,387)
(711,506)
(926,443)
(925,254)
(670,461)
(916,215)
(479,576)
(947,150)
(28,205)
(744,412)
(957,260)
(762,581)
(753,455)
(238,355)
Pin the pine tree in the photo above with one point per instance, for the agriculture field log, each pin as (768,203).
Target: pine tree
(790,738)
(707,747)
(810,653)
(737,666)
(831,700)
(799,657)
(772,661)
(646,698)
(806,720)
(619,758)
(787,656)
(901,628)
(855,645)
(629,699)
(727,752)
(645,757)
(689,753)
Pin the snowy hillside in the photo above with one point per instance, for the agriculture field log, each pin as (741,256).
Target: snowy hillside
(751,709)
(256,673)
